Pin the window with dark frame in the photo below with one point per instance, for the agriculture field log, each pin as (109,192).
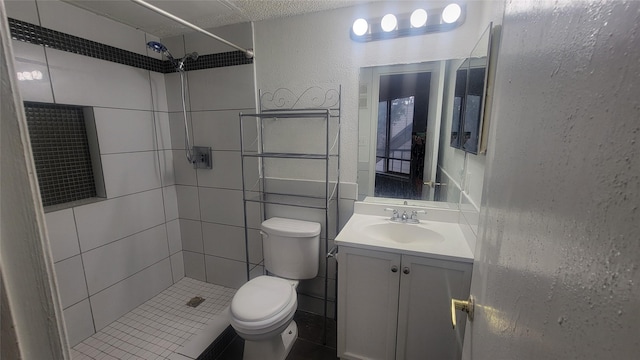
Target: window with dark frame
(61,152)
(395,128)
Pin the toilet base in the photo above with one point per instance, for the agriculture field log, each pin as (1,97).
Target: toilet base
(276,348)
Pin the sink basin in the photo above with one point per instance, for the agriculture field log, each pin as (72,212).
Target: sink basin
(435,239)
(401,233)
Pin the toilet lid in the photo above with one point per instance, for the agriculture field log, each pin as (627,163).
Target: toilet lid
(262,298)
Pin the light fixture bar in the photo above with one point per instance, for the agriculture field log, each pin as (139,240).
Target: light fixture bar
(434,22)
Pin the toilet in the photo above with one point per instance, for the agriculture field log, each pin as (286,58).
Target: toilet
(262,309)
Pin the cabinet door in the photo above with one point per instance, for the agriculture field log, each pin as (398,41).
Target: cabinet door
(424,313)
(367,303)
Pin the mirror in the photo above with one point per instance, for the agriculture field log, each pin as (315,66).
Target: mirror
(406,114)
(469,97)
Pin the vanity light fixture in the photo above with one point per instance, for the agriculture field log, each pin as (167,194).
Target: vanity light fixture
(389,23)
(451,13)
(360,27)
(421,21)
(418,18)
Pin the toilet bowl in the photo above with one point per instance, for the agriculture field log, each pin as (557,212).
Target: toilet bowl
(262,310)
(263,307)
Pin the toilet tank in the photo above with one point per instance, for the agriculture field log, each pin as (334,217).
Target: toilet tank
(291,248)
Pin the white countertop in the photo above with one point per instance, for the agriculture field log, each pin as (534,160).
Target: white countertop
(454,247)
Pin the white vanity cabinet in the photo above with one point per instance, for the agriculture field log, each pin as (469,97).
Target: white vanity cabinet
(395,306)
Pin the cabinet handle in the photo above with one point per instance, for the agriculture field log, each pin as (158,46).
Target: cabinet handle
(406,270)
(394,269)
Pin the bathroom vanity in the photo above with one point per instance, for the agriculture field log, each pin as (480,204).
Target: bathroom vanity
(395,285)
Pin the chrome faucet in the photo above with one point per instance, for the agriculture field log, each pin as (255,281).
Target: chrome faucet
(405,218)
(395,216)
(414,216)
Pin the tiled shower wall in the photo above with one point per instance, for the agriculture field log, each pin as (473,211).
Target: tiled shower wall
(210,201)
(110,256)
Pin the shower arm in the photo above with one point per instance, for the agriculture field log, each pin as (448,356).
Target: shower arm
(248,52)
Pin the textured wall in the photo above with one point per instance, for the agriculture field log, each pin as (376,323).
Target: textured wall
(315,50)
(556,273)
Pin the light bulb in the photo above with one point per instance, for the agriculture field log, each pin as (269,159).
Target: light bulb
(451,13)
(360,27)
(389,22)
(418,18)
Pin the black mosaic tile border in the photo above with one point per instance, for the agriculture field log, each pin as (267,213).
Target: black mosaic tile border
(34,34)
(219,344)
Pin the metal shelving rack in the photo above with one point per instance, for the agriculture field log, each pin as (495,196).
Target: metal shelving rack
(313,104)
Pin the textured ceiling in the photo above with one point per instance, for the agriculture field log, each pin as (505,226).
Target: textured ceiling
(204,13)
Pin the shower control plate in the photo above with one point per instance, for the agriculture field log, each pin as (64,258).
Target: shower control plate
(202,157)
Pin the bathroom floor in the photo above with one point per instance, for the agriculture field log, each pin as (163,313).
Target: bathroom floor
(155,329)
(308,346)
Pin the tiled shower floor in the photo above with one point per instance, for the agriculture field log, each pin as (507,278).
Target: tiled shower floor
(155,329)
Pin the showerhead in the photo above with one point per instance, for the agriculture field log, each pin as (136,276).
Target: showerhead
(159,48)
(193,56)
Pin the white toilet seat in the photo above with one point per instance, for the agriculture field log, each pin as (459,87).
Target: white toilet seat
(263,307)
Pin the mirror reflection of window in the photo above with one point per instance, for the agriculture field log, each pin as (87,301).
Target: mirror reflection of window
(401,133)
(395,128)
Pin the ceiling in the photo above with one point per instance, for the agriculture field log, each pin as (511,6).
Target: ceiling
(203,13)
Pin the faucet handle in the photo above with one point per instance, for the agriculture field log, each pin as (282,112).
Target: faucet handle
(395,212)
(414,213)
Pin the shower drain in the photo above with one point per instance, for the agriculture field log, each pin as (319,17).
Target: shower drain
(195,301)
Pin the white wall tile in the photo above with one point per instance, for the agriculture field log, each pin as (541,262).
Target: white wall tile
(114,262)
(226,207)
(221,129)
(130,173)
(84,80)
(191,234)
(167,170)
(237,92)
(61,228)
(224,241)
(70,278)
(173,234)
(28,58)
(158,88)
(255,247)
(174,94)
(122,131)
(226,172)
(184,173)
(176,129)
(102,222)
(117,300)
(23,10)
(170,202)
(72,20)
(177,266)
(256,271)
(194,266)
(225,272)
(163,130)
(78,321)
(188,202)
